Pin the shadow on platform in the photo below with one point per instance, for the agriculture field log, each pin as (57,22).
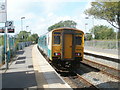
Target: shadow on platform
(20,52)
(23,79)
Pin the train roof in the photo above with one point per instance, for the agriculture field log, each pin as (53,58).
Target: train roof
(66,28)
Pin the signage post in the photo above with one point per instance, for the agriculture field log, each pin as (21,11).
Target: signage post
(3,19)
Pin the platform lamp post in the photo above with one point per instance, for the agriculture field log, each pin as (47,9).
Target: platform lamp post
(22,23)
(27,27)
(86,23)
(117,39)
(27,31)
(93,35)
(117,34)
(86,27)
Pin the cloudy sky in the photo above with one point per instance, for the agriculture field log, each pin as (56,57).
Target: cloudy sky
(40,14)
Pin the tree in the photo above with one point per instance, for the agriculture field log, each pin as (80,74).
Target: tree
(1,40)
(67,23)
(108,11)
(103,32)
(23,36)
(34,38)
(88,36)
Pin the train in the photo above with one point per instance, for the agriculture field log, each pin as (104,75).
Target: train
(63,46)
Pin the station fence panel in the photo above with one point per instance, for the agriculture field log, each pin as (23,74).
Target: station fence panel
(12,47)
(103,44)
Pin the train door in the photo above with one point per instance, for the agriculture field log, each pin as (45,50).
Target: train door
(68,46)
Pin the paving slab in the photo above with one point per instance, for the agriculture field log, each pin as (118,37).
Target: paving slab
(50,78)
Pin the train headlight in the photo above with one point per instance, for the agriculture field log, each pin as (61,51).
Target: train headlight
(57,54)
(78,54)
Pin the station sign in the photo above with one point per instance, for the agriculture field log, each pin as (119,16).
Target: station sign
(9,24)
(2,29)
(3,12)
(11,29)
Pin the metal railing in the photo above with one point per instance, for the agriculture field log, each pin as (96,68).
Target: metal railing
(12,49)
(102,44)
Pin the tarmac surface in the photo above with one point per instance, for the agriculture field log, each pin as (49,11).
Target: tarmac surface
(30,70)
(20,73)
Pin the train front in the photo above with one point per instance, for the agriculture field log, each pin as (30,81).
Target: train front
(67,47)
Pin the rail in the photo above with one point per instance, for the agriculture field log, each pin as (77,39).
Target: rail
(99,62)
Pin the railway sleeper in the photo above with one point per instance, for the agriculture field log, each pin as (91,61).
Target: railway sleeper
(66,65)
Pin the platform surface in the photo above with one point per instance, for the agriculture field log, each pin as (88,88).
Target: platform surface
(31,70)
(48,76)
(113,53)
(20,73)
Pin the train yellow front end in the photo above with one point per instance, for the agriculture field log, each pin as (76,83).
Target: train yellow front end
(67,47)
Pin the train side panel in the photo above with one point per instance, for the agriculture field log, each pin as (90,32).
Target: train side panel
(42,43)
(45,44)
(49,43)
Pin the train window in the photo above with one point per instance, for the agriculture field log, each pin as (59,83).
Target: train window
(78,40)
(45,42)
(78,33)
(56,39)
(56,32)
(48,40)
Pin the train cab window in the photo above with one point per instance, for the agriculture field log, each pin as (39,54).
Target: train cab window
(57,33)
(48,40)
(56,39)
(78,40)
(45,42)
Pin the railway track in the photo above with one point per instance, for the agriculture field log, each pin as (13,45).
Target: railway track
(87,77)
(76,81)
(97,78)
(72,78)
(115,73)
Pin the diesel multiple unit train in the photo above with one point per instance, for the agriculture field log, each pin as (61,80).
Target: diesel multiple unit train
(63,46)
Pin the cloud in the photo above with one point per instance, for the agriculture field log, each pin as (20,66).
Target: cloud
(40,14)
(50,6)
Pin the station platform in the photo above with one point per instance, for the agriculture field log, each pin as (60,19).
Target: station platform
(31,70)
(113,53)
(104,52)
(46,76)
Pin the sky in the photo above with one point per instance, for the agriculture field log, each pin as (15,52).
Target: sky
(40,14)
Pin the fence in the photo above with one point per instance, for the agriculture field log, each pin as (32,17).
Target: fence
(1,54)
(21,45)
(102,44)
(12,46)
